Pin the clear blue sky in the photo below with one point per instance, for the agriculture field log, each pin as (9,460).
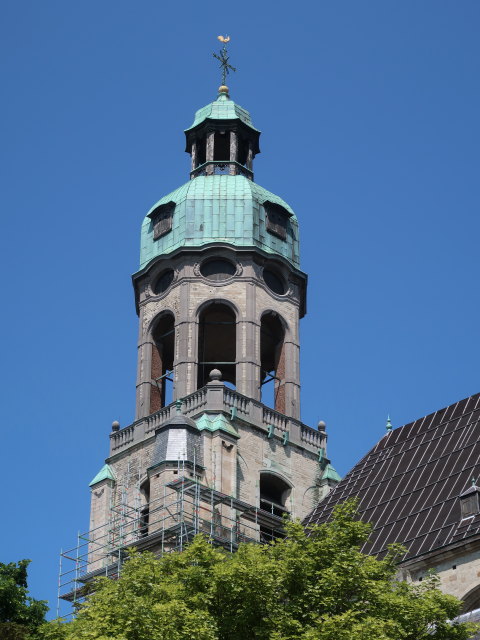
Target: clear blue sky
(369,112)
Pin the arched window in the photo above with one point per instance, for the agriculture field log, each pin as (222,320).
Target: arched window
(272,358)
(471,600)
(144,509)
(163,348)
(274,497)
(217,343)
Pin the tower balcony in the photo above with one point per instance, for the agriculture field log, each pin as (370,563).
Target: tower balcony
(221,168)
(215,397)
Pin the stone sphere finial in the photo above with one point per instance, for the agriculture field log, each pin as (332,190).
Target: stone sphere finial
(322,425)
(115,425)
(215,374)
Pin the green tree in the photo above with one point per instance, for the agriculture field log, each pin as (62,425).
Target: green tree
(20,615)
(306,587)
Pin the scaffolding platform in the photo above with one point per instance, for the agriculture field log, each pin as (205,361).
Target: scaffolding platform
(186,509)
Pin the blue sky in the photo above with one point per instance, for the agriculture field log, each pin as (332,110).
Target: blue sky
(369,113)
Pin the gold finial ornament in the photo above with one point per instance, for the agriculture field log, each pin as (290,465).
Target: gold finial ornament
(223,89)
(224,39)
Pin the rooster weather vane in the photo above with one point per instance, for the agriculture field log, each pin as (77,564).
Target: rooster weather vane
(223,58)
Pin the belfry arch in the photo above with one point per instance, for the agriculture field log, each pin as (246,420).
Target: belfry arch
(272,358)
(163,353)
(217,342)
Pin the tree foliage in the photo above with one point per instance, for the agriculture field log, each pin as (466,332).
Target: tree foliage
(306,587)
(20,615)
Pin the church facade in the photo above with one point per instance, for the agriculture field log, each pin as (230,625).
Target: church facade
(217,445)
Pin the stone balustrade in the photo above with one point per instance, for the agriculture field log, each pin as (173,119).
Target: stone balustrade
(215,397)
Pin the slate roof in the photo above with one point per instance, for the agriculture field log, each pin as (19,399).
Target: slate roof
(409,484)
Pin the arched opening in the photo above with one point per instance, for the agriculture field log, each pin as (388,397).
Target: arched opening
(274,494)
(242,152)
(221,149)
(144,509)
(272,362)
(163,349)
(201,150)
(471,600)
(217,346)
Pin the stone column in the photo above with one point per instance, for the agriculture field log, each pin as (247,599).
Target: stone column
(233,152)
(280,386)
(144,371)
(250,157)
(248,348)
(194,155)
(99,517)
(292,379)
(184,369)
(210,151)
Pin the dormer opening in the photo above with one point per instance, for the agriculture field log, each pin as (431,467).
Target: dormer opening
(276,219)
(470,502)
(161,219)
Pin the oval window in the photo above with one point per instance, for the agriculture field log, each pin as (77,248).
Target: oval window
(218,270)
(274,282)
(163,282)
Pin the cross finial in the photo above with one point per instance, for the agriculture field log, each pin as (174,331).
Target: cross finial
(223,58)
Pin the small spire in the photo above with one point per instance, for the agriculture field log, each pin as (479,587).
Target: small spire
(178,405)
(474,482)
(389,426)
(224,64)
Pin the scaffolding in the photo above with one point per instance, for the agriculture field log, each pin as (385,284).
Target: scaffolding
(162,525)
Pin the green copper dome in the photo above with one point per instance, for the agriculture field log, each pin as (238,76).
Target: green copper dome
(223,108)
(220,208)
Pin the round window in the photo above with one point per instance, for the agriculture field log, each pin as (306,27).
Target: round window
(163,281)
(217,270)
(274,282)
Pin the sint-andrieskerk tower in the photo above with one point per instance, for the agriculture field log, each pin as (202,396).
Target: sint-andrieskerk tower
(219,295)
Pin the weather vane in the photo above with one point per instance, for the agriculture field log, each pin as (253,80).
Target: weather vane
(223,58)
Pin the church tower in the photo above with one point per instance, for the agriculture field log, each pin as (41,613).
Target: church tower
(217,445)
